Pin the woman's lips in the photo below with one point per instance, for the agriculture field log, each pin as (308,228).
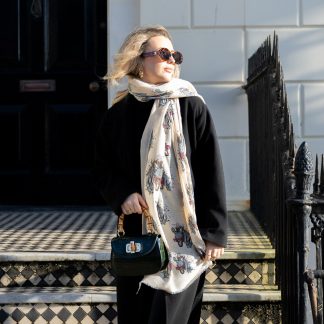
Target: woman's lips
(168,70)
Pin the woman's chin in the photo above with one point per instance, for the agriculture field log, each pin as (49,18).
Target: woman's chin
(167,78)
(163,80)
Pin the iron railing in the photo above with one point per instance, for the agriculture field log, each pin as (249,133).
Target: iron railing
(280,187)
(314,278)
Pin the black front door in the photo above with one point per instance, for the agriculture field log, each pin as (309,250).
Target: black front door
(52,55)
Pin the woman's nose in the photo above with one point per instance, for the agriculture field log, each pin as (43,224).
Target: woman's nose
(171,60)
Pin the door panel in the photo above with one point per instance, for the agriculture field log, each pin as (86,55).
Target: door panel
(9,50)
(13,31)
(68,151)
(73,44)
(50,52)
(13,126)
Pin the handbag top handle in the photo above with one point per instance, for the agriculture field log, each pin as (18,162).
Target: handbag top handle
(148,219)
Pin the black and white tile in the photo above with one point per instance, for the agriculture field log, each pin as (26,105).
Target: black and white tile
(56,274)
(249,272)
(95,273)
(56,230)
(58,314)
(75,230)
(107,313)
(241,313)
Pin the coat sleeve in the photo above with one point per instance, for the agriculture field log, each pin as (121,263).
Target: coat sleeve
(109,176)
(209,180)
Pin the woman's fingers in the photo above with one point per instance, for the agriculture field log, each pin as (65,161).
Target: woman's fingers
(214,254)
(217,253)
(142,201)
(137,208)
(133,204)
(213,251)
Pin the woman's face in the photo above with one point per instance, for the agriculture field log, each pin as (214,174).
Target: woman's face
(155,70)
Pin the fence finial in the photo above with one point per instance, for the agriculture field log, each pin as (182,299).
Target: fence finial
(304,172)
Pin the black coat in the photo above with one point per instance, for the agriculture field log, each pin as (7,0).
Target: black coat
(118,172)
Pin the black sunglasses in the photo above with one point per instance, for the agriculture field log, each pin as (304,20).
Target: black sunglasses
(165,55)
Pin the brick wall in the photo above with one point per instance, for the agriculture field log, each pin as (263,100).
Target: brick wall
(216,38)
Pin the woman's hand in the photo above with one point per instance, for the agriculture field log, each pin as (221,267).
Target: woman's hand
(133,204)
(213,251)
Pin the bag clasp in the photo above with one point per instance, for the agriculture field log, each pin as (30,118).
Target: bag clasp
(133,247)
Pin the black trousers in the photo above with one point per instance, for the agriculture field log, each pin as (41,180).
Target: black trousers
(151,306)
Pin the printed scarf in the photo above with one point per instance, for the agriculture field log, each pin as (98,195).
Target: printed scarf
(167,184)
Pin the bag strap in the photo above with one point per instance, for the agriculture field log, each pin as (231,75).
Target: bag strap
(148,219)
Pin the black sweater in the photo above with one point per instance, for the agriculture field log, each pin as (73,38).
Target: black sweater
(118,172)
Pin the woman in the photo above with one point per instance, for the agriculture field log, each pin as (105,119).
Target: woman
(157,149)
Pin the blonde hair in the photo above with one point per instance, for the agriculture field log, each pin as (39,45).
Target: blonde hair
(128,60)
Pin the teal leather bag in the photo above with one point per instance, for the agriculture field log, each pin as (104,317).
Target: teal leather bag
(138,255)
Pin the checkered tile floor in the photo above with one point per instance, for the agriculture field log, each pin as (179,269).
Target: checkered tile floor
(91,229)
(236,313)
(239,313)
(97,274)
(56,229)
(244,232)
(58,314)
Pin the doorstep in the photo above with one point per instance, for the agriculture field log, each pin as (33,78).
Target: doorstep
(84,234)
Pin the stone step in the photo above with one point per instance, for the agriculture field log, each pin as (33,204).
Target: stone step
(62,272)
(89,305)
(71,247)
(95,295)
(104,255)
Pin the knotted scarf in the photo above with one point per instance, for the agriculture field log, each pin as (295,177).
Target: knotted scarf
(167,184)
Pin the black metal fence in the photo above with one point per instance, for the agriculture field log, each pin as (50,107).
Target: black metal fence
(280,186)
(314,277)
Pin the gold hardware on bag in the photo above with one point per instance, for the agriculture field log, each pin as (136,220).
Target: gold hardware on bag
(133,247)
(148,218)
(120,230)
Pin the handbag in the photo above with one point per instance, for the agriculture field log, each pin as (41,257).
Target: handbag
(138,255)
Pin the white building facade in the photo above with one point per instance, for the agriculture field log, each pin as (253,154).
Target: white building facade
(216,38)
